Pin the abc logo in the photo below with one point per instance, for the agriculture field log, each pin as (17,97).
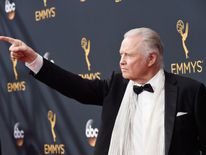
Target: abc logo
(18,133)
(90,132)
(9,7)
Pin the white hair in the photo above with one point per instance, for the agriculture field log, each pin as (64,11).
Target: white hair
(150,42)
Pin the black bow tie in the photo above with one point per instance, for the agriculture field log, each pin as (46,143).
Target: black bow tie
(139,89)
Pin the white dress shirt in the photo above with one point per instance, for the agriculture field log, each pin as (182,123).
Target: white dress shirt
(149,118)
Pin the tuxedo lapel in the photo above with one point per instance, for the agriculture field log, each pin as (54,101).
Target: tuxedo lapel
(122,90)
(170,108)
(119,94)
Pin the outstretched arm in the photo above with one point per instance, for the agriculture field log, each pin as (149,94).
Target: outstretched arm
(67,83)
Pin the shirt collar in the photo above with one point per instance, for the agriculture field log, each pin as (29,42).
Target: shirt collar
(157,79)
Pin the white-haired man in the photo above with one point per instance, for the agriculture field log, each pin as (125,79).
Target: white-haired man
(146,110)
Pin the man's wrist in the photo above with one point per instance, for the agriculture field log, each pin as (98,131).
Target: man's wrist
(36,64)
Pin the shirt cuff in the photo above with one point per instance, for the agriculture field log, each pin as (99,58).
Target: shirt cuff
(36,65)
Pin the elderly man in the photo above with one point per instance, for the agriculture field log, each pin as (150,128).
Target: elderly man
(146,110)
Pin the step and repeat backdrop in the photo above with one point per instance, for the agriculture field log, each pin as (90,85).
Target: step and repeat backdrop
(83,36)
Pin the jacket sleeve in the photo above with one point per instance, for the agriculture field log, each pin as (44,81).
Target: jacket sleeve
(72,85)
(200,112)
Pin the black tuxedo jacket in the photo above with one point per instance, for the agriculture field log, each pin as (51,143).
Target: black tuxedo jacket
(184,135)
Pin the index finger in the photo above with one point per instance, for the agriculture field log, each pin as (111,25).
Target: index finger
(7,39)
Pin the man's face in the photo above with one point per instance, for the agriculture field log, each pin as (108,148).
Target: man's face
(133,63)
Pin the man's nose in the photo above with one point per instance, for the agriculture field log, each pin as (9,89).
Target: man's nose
(122,60)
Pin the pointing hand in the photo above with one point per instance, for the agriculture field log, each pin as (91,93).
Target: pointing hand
(19,50)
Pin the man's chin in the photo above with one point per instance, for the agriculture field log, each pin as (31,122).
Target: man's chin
(125,76)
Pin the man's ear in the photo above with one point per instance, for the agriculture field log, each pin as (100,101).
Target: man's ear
(152,59)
